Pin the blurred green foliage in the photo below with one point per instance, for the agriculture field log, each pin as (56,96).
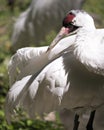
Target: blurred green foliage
(27,124)
(94,6)
(7,17)
(96,9)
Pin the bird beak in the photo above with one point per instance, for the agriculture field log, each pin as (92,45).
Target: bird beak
(63,32)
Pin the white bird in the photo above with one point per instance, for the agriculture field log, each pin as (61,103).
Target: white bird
(40,19)
(72,73)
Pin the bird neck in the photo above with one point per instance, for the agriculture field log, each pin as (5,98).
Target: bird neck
(84,50)
(84,36)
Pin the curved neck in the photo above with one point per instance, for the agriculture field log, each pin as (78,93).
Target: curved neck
(84,34)
(84,46)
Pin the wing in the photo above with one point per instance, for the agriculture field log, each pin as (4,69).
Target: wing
(49,76)
(28,61)
(25,62)
(11,99)
(34,100)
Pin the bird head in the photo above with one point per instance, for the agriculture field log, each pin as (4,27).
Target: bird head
(76,19)
(73,21)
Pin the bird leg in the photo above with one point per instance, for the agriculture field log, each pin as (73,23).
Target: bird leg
(76,122)
(90,122)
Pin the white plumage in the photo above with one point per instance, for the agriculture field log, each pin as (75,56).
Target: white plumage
(73,80)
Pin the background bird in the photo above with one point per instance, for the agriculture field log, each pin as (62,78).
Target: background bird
(81,65)
(40,19)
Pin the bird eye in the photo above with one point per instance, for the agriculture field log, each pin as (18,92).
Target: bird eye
(71,13)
